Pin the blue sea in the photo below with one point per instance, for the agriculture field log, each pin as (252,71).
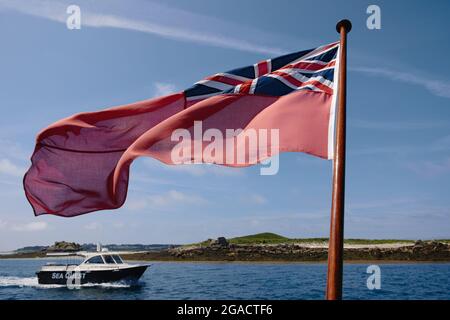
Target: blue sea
(182,280)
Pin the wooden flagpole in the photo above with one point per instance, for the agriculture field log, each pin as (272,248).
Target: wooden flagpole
(336,244)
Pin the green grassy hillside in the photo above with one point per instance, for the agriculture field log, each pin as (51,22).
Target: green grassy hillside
(273,238)
(266,237)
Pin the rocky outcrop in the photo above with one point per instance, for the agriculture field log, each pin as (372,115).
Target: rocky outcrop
(232,252)
(220,242)
(420,251)
(63,246)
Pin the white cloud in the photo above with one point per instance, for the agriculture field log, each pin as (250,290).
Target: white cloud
(31,226)
(179,29)
(163,89)
(175,197)
(93,226)
(9,168)
(442,144)
(118,225)
(431,168)
(136,204)
(436,87)
(377,204)
(256,199)
(168,199)
(12,149)
(196,170)
(439,145)
(398,125)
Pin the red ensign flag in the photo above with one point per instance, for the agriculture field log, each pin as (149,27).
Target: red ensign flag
(81,163)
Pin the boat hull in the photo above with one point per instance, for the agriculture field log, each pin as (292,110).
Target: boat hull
(129,274)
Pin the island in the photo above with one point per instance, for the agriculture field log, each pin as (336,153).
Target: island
(264,247)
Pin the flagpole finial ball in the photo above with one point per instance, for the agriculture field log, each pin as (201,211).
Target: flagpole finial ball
(344,23)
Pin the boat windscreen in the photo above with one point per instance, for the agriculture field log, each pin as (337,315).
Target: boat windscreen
(95,260)
(109,259)
(118,259)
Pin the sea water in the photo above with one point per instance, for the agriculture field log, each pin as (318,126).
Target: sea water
(185,280)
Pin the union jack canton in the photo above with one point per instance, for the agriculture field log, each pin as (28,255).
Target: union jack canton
(311,69)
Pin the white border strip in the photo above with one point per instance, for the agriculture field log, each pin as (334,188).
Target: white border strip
(334,102)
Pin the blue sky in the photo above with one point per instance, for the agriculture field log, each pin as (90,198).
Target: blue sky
(398,162)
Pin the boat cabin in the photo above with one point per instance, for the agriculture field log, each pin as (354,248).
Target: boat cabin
(103,258)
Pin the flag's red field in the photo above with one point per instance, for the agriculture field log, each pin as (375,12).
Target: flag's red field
(81,163)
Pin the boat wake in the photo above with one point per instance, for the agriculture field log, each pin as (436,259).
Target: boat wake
(32,282)
(24,282)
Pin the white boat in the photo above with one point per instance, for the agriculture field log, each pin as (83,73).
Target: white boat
(97,267)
